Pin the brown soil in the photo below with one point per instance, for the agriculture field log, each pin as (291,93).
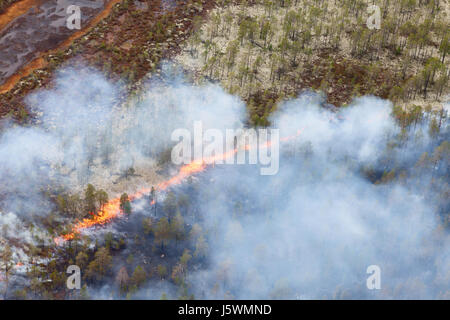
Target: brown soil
(127,44)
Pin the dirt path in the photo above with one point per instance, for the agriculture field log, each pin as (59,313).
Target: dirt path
(36,27)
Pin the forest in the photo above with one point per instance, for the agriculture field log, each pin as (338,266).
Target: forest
(268,50)
(86,177)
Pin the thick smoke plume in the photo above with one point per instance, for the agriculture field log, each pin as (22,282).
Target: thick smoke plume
(310,231)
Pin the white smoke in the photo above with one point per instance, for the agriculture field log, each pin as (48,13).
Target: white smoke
(312,230)
(308,232)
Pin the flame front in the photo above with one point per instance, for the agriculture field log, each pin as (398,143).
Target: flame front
(112,209)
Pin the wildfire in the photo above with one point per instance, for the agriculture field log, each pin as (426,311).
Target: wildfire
(112,209)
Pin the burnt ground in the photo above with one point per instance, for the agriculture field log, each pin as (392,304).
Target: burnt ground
(128,44)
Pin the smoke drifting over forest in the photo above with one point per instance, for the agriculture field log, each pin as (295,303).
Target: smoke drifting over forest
(309,231)
(83,136)
(312,230)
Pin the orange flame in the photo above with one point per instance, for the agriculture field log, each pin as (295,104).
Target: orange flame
(112,210)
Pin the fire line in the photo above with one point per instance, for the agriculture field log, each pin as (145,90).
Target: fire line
(111,209)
